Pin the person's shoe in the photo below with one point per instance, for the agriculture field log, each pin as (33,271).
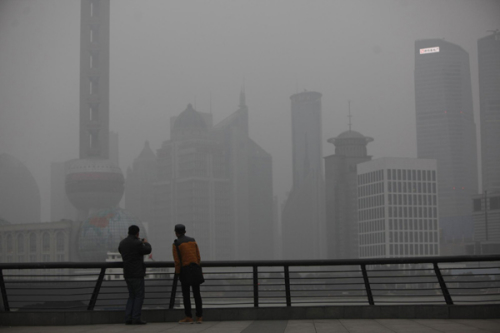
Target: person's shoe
(139,322)
(187,320)
(199,320)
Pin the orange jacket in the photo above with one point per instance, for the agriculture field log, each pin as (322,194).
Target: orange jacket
(189,252)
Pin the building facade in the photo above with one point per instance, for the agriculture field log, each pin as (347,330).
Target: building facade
(218,182)
(341,194)
(303,215)
(486,224)
(446,130)
(39,242)
(398,208)
(489,103)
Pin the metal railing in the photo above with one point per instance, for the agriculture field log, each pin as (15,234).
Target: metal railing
(100,286)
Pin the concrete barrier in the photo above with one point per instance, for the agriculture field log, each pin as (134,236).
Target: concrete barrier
(490,311)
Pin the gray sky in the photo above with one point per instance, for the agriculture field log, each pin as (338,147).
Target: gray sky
(165,54)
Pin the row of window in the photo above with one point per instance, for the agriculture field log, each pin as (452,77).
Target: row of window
(29,243)
(413,237)
(409,224)
(371,214)
(371,177)
(59,257)
(399,250)
(371,201)
(371,226)
(413,212)
(370,189)
(415,175)
(412,199)
(411,187)
(494,203)
(372,238)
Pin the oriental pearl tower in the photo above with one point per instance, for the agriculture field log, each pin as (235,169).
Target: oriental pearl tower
(94,184)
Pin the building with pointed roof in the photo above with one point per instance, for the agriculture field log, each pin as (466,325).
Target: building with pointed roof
(341,193)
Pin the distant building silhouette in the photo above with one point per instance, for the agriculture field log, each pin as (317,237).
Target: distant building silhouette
(446,130)
(398,208)
(19,192)
(216,181)
(489,102)
(486,224)
(303,215)
(341,194)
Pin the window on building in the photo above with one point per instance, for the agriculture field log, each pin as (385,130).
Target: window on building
(60,241)
(10,245)
(20,243)
(32,242)
(495,203)
(46,242)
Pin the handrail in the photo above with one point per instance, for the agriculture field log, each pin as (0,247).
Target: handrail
(283,283)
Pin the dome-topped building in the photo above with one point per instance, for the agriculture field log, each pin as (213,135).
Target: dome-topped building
(350,143)
(190,123)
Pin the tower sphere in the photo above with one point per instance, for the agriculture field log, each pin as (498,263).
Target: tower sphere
(94,183)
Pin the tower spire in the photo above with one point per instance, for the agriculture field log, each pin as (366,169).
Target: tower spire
(349,116)
(242,95)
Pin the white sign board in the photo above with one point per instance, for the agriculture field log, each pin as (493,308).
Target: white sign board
(430,50)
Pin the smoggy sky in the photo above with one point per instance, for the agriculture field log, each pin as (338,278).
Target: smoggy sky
(166,54)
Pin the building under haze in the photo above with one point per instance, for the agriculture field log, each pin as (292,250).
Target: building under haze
(341,194)
(19,193)
(489,103)
(216,181)
(486,224)
(398,208)
(303,214)
(446,130)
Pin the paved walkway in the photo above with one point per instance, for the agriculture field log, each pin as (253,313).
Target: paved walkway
(286,326)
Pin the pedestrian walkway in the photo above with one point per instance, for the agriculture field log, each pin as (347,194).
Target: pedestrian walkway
(286,326)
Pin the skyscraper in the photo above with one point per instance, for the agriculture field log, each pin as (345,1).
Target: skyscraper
(398,208)
(341,194)
(489,102)
(446,130)
(303,214)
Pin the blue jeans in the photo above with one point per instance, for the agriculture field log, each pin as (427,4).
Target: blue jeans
(135,299)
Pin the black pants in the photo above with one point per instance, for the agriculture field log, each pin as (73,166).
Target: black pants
(135,299)
(187,300)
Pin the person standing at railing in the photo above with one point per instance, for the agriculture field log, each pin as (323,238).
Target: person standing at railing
(133,249)
(187,268)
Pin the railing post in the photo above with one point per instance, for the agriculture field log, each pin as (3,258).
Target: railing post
(97,288)
(442,284)
(367,285)
(255,287)
(4,293)
(173,292)
(287,287)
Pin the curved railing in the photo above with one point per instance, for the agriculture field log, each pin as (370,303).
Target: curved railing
(100,286)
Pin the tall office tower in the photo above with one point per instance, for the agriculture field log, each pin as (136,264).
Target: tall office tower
(398,208)
(303,215)
(217,182)
(486,224)
(341,194)
(139,194)
(489,102)
(94,182)
(446,130)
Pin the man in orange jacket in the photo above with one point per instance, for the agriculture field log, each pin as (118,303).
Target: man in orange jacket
(189,253)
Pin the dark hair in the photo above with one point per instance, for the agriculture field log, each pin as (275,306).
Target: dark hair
(180,229)
(133,230)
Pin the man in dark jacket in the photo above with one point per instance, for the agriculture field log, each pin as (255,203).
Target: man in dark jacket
(133,250)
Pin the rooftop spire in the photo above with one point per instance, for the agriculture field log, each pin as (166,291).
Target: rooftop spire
(349,116)
(242,95)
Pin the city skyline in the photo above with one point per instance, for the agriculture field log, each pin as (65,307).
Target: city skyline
(372,69)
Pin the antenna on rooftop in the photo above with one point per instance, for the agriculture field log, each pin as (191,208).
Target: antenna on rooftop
(349,116)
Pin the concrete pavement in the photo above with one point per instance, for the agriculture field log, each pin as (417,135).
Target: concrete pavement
(285,326)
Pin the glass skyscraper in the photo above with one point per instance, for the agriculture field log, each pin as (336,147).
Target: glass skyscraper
(446,130)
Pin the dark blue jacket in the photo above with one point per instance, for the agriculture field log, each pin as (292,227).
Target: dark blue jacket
(133,250)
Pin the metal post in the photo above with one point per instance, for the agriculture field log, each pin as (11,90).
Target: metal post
(287,287)
(486,214)
(4,293)
(442,284)
(255,287)
(97,288)
(367,285)
(173,292)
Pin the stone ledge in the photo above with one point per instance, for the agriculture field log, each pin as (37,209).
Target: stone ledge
(69,318)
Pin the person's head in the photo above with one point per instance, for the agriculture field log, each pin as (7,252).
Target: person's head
(133,230)
(180,230)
